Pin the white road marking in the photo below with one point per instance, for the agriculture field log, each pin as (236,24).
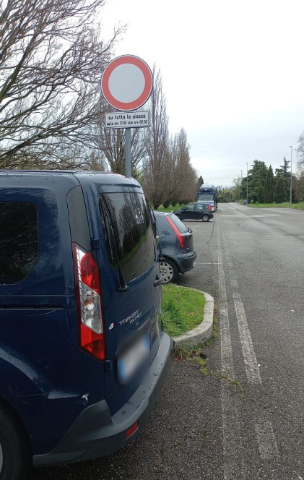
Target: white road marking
(207,263)
(251,364)
(264,431)
(250,216)
(266,439)
(232,438)
(233,462)
(226,348)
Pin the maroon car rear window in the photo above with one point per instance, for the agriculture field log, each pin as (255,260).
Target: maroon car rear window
(179,224)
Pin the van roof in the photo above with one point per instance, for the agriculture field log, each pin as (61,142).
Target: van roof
(78,175)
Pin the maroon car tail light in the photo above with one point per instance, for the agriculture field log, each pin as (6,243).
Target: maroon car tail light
(177,232)
(89,302)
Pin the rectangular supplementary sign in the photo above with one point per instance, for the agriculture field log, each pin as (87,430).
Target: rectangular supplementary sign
(128,119)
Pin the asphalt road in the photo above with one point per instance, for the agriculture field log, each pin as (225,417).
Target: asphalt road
(244,419)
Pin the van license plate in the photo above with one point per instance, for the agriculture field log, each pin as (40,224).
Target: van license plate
(129,362)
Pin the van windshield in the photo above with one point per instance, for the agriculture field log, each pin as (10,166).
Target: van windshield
(128,232)
(205,196)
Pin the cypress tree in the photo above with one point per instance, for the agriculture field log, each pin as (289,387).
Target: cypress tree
(269,186)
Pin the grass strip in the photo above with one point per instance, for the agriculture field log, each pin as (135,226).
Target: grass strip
(182,309)
(170,208)
(297,206)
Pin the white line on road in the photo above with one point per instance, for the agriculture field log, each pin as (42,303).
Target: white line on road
(232,438)
(207,263)
(226,348)
(266,440)
(251,364)
(233,462)
(264,431)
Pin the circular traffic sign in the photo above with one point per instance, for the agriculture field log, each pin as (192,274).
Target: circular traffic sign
(127,82)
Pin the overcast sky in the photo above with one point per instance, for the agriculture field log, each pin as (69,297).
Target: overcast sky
(232,72)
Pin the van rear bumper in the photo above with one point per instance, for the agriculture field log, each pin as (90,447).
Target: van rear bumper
(96,433)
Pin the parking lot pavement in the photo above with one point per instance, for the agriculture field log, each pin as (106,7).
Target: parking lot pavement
(182,438)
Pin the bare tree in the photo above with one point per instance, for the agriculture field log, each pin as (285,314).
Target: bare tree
(300,151)
(185,184)
(298,186)
(168,177)
(51,63)
(157,144)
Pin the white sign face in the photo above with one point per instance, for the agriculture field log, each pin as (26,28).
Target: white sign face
(128,120)
(127,83)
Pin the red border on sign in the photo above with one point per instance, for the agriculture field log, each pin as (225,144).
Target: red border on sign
(138,62)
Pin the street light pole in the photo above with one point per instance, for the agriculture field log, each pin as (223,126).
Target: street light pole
(247,184)
(290,173)
(241,182)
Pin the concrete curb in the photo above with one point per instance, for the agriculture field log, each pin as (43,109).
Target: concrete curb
(204,331)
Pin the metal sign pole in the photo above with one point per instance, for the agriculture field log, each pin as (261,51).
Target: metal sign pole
(127,92)
(128,152)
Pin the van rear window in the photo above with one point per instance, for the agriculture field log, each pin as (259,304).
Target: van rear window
(18,241)
(128,232)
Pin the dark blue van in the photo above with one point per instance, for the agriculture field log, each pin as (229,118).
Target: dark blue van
(82,352)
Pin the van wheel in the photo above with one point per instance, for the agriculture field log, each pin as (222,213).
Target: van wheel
(205,218)
(168,271)
(15,454)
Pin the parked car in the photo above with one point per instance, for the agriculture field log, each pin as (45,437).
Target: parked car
(176,246)
(209,202)
(82,352)
(195,211)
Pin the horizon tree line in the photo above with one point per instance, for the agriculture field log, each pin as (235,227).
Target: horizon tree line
(266,186)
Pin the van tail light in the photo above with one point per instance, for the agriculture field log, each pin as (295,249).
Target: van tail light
(92,339)
(209,206)
(177,232)
(132,429)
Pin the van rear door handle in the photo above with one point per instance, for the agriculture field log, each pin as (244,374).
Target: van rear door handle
(157,282)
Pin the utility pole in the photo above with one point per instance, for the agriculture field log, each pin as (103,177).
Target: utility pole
(128,152)
(290,173)
(241,183)
(247,184)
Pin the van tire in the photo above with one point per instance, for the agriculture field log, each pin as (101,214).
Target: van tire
(168,272)
(205,218)
(15,452)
